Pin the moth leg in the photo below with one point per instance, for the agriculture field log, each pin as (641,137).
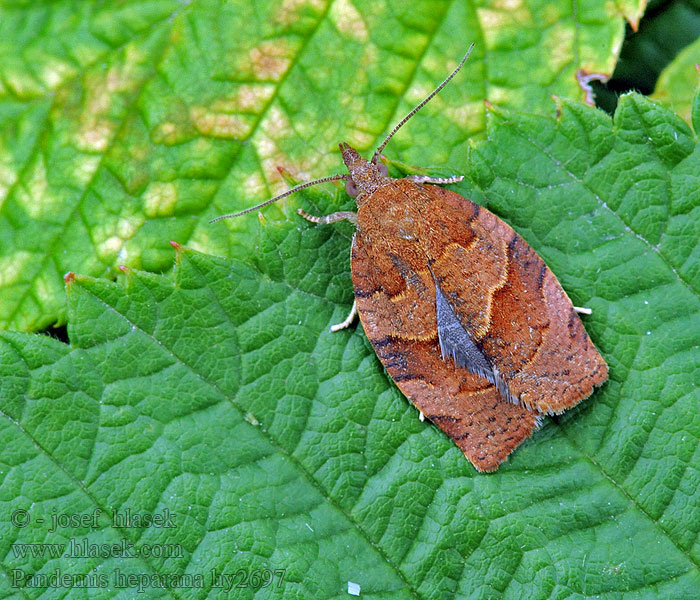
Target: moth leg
(583,311)
(440,180)
(332,218)
(348,320)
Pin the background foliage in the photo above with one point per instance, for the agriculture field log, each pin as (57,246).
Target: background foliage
(216,391)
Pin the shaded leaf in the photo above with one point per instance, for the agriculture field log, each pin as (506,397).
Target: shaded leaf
(667,28)
(679,81)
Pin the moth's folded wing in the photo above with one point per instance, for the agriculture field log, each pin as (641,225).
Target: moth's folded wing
(511,304)
(396,304)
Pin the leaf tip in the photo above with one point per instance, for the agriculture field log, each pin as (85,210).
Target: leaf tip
(287,176)
(123,269)
(175,245)
(69,277)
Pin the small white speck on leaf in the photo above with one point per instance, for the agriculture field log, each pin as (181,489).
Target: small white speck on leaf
(250,417)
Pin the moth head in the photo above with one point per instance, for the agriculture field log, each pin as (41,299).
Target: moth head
(365,176)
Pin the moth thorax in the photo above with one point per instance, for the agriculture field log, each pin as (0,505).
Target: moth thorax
(365,176)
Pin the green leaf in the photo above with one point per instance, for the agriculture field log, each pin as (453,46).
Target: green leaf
(220,395)
(679,80)
(125,124)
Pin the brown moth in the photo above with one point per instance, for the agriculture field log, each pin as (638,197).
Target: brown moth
(464,315)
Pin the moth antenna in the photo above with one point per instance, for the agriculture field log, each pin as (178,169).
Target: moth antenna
(296,188)
(421,105)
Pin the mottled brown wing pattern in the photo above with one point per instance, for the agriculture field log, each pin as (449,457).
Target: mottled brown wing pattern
(502,293)
(528,327)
